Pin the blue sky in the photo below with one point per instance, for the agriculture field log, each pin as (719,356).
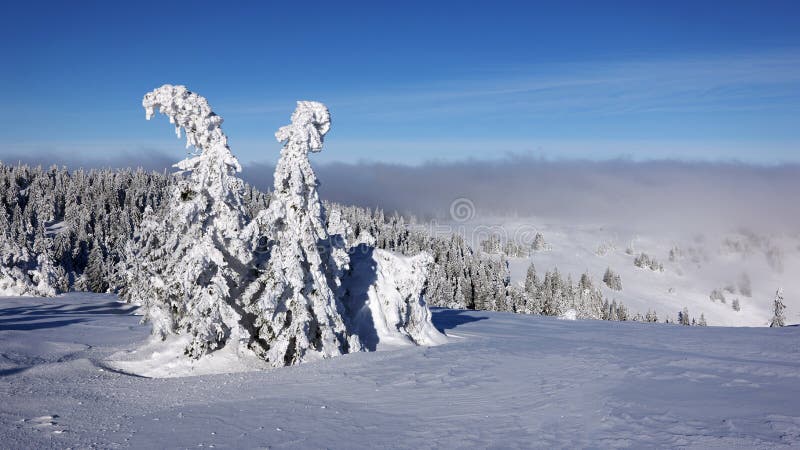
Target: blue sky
(412,81)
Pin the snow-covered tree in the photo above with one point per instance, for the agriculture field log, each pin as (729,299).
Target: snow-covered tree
(683,317)
(622,312)
(646,261)
(612,279)
(531,280)
(589,299)
(778,318)
(717,294)
(23,272)
(384,298)
(190,258)
(96,274)
(539,243)
(552,288)
(298,315)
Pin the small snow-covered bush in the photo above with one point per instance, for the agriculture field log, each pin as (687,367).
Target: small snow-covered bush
(646,261)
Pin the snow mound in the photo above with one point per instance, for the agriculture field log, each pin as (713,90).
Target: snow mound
(167,359)
(384,298)
(569,314)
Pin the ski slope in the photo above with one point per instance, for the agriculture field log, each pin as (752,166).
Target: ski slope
(502,380)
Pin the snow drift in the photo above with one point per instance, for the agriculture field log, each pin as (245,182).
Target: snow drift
(384,299)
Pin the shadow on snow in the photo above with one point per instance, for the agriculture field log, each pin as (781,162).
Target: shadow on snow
(43,316)
(447,319)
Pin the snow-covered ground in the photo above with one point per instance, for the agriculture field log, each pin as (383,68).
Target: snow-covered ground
(701,264)
(502,380)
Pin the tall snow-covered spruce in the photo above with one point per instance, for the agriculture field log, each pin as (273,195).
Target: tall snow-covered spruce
(299,315)
(189,259)
(778,317)
(307,301)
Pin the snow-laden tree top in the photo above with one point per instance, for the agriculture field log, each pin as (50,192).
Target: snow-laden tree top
(189,111)
(310,122)
(192,113)
(295,183)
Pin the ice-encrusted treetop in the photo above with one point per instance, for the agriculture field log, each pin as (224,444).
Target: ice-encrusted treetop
(192,113)
(310,122)
(189,111)
(295,183)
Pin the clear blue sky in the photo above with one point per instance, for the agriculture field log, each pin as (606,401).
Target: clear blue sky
(412,81)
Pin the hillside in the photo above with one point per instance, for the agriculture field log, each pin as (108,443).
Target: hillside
(739,265)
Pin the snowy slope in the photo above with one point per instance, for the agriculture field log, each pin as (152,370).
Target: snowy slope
(502,380)
(703,263)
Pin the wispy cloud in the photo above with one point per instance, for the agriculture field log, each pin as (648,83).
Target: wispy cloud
(743,82)
(742,107)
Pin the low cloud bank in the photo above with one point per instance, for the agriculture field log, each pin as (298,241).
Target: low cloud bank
(662,195)
(150,160)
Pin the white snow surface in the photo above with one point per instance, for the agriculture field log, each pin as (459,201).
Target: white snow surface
(502,381)
(166,359)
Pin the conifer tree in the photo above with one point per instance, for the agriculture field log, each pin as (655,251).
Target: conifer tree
(612,280)
(778,318)
(190,259)
(95,274)
(683,317)
(298,314)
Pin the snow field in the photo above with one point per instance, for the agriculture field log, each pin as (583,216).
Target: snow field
(503,380)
